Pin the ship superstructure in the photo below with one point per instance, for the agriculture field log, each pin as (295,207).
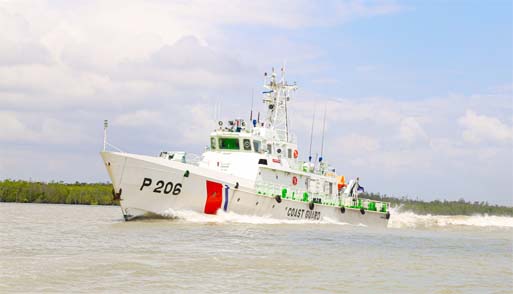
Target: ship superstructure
(251,167)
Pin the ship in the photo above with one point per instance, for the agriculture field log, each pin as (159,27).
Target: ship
(249,168)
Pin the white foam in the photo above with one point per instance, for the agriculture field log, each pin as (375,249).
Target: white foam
(398,219)
(231,217)
(411,220)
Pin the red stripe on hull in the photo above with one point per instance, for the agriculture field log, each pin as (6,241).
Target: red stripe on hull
(214,197)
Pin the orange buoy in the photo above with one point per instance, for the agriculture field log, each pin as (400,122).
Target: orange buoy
(296,153)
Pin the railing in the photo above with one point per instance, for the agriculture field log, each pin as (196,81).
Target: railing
(273,190)
(294,194)
(181,156)
(366,204)
(192,158)
(114,147)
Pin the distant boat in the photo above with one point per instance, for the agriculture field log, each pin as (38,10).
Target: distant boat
(250,168)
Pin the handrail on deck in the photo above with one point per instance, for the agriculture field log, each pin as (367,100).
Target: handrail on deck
(269,189)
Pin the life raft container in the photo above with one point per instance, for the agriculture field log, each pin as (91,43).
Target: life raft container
(341,182)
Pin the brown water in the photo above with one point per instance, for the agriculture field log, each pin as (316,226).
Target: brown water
(67,248)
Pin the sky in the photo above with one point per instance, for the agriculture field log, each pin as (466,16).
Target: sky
(419,94)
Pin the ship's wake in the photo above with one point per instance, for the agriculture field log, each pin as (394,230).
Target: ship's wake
(231,217)
(406,219)
(399,219)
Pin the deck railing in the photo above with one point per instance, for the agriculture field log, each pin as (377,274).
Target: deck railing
(273,190)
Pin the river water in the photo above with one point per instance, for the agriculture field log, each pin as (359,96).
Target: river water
(69,248)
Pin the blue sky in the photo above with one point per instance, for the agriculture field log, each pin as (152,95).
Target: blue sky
(419,93)
(429,48)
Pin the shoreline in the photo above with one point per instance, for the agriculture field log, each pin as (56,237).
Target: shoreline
(101,194)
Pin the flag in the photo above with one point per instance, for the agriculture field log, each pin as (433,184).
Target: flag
(361,189)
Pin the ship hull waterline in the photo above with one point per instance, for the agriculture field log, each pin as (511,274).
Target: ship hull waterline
(150,185)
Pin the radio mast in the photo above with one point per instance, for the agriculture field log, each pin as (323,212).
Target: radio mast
(276,98)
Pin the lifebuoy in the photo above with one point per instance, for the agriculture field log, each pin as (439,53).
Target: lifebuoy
(296,153)
(294,180)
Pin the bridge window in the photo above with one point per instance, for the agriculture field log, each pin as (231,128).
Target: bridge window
(246,143)
(213,143)
(289,153)
(256,146)
(270,148)
(229,143)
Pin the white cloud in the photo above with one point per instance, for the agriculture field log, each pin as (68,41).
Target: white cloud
(392,135)
(186,64)
(195,124)
(139,118)
(410,131)
(13,129)
(48,165)
(42,81)
(96,54)
(344,111)
(356,9)
(449,148)
(188,53)
(482,128)
(54,131)
(44,131)
(23,53)
(104,33)
(355,145)
(282,14)
(188,124)
(19,44)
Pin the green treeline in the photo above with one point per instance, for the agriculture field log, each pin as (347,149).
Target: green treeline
(38,192)
(101,194)
(445,207)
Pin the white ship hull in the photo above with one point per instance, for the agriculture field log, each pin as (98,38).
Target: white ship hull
(154,185)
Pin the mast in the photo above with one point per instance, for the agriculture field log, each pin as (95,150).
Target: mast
(323,127)
(105,126)
(276,98)
(311,138)
(251,113)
